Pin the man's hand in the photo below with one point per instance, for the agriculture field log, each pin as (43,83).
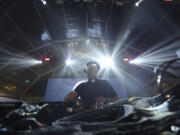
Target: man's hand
(71,96)
(113,99)
(102,100)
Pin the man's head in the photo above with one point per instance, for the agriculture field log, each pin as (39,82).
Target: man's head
(91,69)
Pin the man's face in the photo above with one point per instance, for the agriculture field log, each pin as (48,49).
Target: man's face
(92,71)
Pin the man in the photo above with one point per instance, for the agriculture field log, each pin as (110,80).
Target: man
(94,91)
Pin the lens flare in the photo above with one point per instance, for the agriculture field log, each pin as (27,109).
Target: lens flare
(136,61)
(69,62)
(106,62)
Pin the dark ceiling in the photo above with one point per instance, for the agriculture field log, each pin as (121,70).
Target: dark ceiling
(35,29)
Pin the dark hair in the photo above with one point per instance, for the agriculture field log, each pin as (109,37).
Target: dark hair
(89,63)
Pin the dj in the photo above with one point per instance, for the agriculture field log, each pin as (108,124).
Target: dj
(94,90)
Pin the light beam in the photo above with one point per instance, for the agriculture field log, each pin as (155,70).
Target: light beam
(69,62)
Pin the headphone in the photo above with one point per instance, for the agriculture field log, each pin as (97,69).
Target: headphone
(91,62)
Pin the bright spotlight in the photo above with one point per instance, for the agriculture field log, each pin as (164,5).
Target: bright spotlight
(137,3)
(69,62)
(136,61)
(126,59)
(106,62)
(47,59)
(37,62)
(44,2)
(87,41)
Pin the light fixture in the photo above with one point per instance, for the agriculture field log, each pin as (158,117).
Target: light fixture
(126,59)
(87,41)
(45,36)
(44,2)
(168,96)
(138,2)
(36,61)
(106,62)
(27,81)
(69,62)
(46,59)
(136,61)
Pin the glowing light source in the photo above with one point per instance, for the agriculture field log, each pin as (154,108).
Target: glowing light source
(159,79)
(27,81)
(126,59)
(10,87)
(36,62)
(45,36)
(87,41)
(69,62)
(44,2)
(168,96)
(175,129)
(136,61)
(47,59)
(137,3)
(106,62)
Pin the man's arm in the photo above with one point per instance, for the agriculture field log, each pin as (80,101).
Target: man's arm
(71,96)
(111,97)
(74,93)
(112,94)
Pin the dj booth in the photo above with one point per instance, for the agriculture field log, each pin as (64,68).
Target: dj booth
(136,115)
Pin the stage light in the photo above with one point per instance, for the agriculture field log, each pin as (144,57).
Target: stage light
(136,61)
(27,81)
(138,2)
(39,62)
(36,62)
(44,2)
(106,62)
(159,78)
(69,62)
(87,41)
(168,96)
(10,87)
(45,36)
(126,59)
(46,59)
